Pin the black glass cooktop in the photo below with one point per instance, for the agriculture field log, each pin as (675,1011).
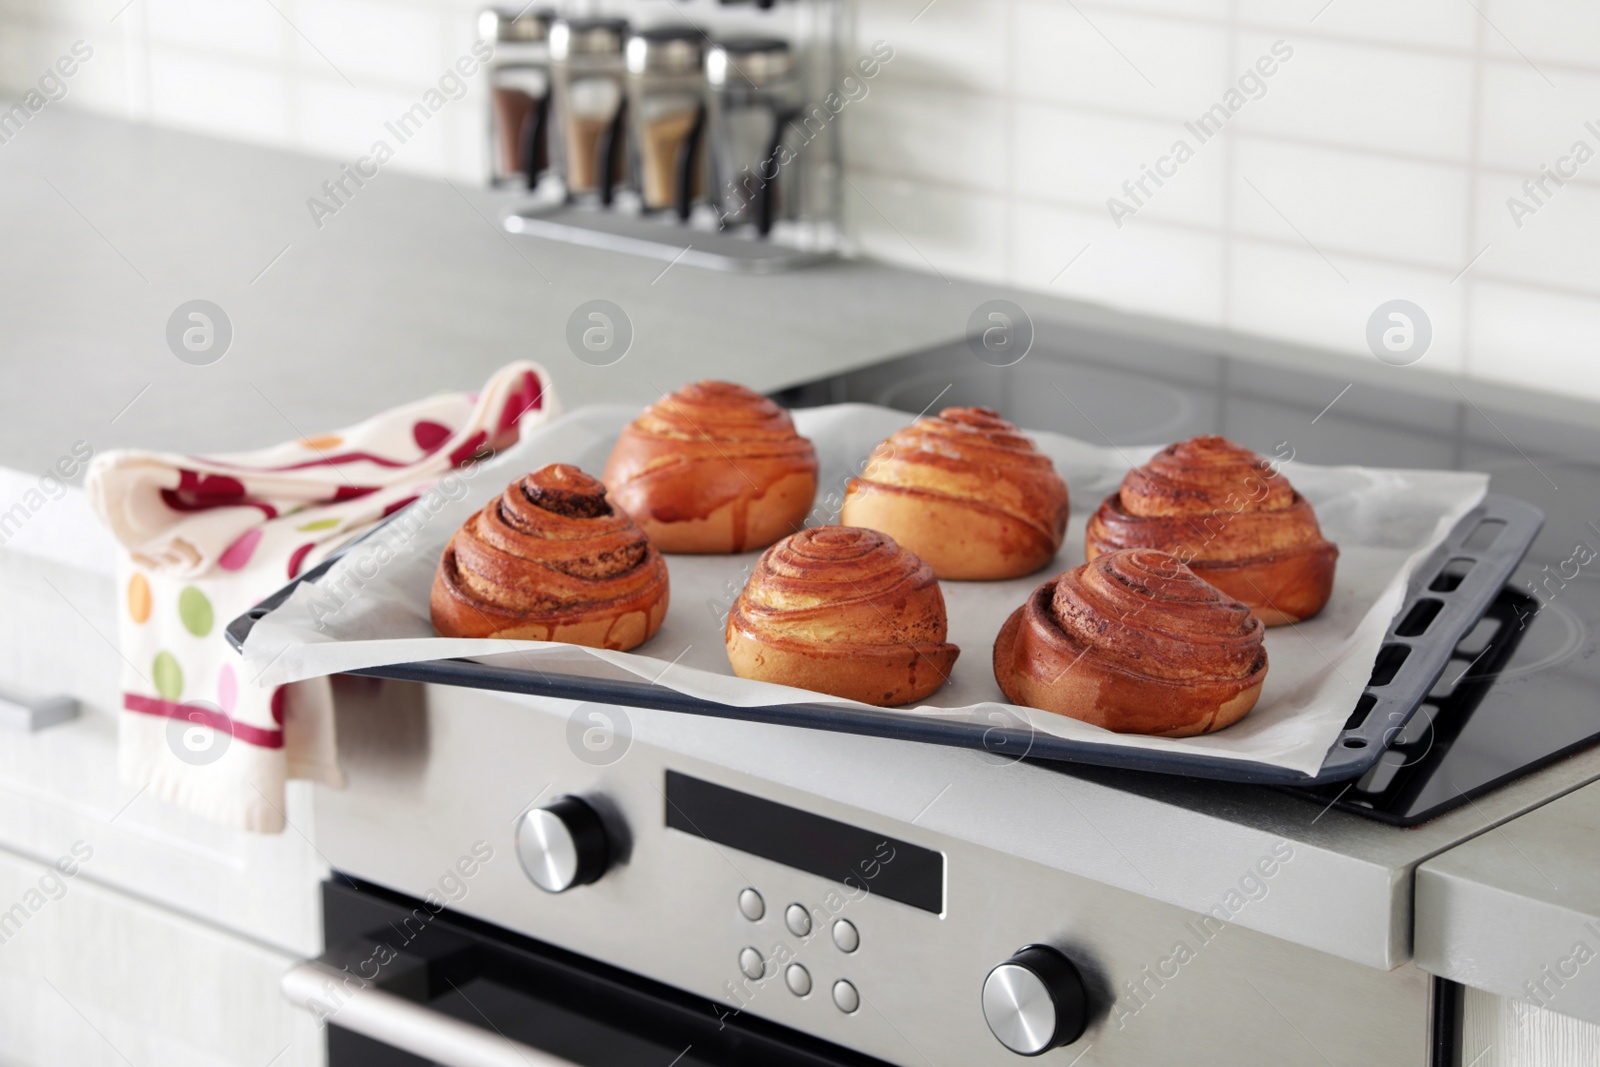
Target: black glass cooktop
(1524,686)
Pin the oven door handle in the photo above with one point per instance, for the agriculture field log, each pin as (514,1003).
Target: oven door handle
(406,1025)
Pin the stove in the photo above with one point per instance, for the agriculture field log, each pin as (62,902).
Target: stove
(1519,692)
(548,882)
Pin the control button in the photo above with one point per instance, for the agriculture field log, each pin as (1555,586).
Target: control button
(798,979)
(845,997)
(562,844)
(751,963)
(846,936)
(798,920)
(1035,1001)
(751,906)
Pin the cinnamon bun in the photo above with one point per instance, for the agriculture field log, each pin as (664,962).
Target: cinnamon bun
(551,560)
(713,468)
(843,611)
(1228,514)
(1134,642)
(967,492)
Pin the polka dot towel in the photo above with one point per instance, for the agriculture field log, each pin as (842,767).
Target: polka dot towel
(206,537)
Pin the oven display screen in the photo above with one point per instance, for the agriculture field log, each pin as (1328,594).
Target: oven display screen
(859,859)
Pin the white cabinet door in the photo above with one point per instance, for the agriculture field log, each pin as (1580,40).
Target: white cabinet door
(90,977)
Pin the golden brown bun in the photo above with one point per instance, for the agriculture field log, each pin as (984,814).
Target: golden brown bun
(1232,518)
(713,468)
(842,611)
(1133,642)
(550,560)
(965,491)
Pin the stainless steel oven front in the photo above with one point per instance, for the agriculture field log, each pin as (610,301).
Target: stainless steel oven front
(508,889)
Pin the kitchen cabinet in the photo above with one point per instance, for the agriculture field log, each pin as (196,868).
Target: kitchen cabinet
(1514,915)
(171,935)
(97,976)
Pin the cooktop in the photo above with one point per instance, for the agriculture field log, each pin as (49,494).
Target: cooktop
(1523,687)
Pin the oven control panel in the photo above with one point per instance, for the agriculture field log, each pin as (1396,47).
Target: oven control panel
(1033,1002)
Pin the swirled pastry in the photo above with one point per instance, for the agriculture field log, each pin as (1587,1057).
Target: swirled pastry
(551,560)
(842,611)
(965,491)
(713,467)
(1229,515)
(1133,642)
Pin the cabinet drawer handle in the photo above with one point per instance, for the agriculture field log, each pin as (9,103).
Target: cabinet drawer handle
(30,714)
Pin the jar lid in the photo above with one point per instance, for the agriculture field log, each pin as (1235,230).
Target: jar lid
(749,61)
(666,50)
(587,37)
(518,25)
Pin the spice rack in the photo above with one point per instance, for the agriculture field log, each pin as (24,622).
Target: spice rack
(712,144)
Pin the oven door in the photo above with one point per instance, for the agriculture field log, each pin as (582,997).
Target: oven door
(403,985)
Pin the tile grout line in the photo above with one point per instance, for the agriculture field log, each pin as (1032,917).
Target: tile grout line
(288,71)
(147,102)
(1230,173)
(1474,181)
(1009,49)
(1357,153)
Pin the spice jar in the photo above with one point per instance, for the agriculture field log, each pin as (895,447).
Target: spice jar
(755,94)
(586,56)
(666,102)
(519,92)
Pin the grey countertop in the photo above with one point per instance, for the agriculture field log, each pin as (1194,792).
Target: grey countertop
(1517,911)
(412,288)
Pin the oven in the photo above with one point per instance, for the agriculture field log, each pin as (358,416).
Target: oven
(665,892)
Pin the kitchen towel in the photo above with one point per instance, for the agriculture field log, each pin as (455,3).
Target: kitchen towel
(204,538)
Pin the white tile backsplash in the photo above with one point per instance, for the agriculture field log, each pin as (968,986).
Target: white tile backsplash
(226,27)
(911,129)
(1082,160)
(1129,64)
(365,40)
(1442,24)
(1214,10)
(1558,31)
(1387,145)
(957,233)
(959,44)
(1378,99)
(1523,334)
(1344,201)
(1528,124)
(1147,266)
(1558,247)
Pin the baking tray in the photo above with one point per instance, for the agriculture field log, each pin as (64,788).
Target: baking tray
(1449,592)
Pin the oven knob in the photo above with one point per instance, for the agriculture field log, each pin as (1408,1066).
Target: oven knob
(1035,1001)
(562,844)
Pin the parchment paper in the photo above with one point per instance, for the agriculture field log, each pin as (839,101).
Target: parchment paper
(372,607)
